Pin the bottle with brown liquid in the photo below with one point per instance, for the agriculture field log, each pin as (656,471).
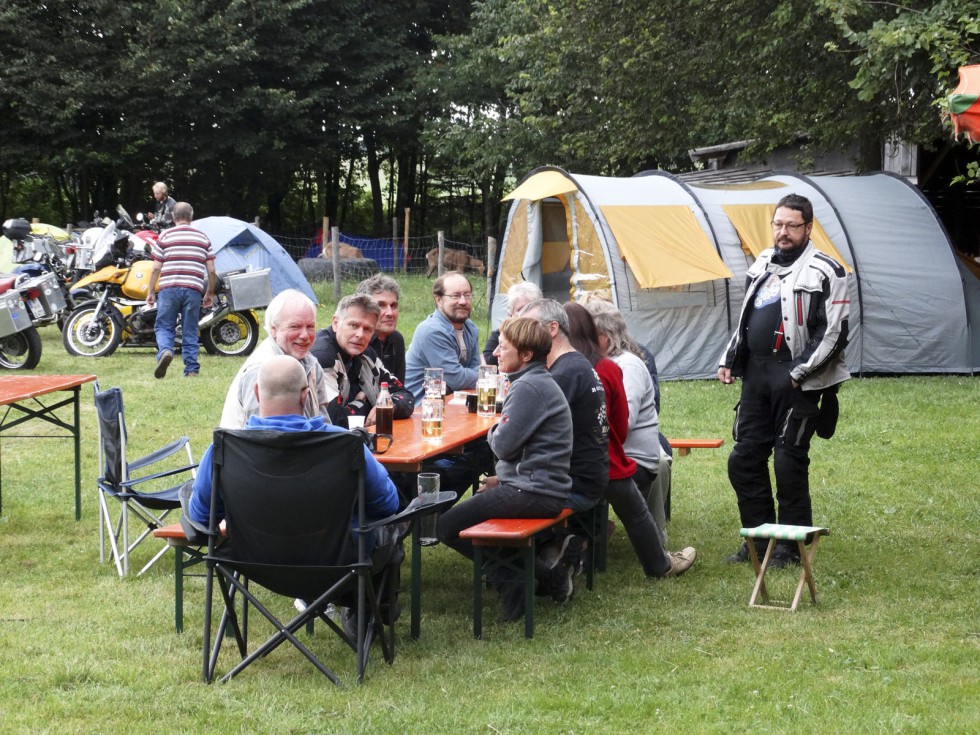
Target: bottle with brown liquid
(384,412)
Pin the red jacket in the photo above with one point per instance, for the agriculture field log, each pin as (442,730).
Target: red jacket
(621,467)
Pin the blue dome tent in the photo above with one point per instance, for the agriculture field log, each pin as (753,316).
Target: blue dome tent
(238,244)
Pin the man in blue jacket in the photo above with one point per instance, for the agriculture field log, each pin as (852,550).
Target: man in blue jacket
(281,392)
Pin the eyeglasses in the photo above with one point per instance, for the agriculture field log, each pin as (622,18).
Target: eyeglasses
(458,296)
(790,226)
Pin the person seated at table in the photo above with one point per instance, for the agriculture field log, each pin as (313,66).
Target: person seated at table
(621,490)
(643,439)
(281,390)
(447,338)
(388,342)
(519,295)
(532,449)
(290,320)
(353,371)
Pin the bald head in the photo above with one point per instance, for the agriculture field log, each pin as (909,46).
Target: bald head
(281,387)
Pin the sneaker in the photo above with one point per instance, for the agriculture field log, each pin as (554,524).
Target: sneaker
(194,374)
(163,362)
(564,585)
(681,561)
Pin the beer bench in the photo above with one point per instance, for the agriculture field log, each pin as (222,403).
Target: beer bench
(495,536)
(186,554)
(684,446)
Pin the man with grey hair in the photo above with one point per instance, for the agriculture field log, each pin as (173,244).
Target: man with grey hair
(388,342)
(353,370)
(163,216)
(519,295)
(290,320)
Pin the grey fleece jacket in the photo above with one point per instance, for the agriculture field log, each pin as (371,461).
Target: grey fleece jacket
(533,441)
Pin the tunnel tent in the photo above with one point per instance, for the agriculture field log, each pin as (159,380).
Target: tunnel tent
(680,286)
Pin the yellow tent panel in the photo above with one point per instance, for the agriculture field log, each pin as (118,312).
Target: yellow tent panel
(664,245)
(753,222)
(543,185)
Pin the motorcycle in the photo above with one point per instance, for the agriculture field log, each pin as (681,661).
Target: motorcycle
(20,344)
(117,314)
(37,256)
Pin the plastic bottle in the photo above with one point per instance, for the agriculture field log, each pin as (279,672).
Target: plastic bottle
(384,412)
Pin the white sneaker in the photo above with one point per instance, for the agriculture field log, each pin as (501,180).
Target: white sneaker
(681,561)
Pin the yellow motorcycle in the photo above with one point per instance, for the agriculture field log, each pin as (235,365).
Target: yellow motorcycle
(117,314)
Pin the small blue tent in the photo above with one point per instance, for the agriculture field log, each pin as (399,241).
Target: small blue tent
(238,244)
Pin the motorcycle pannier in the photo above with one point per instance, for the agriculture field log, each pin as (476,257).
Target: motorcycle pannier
(17,229)
(250,290)
(13,315)
(49,295)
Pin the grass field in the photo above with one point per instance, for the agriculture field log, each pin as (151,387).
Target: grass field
(892,647)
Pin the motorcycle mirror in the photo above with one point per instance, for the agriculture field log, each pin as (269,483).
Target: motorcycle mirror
(139,217)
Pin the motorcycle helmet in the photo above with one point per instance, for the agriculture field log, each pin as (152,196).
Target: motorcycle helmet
(17,229)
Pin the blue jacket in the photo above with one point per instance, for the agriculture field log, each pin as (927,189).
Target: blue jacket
(435,345)
(381,498)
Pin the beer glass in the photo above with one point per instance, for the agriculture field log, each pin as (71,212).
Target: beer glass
(433,382)
(428,486)
(486,391)
(432,410)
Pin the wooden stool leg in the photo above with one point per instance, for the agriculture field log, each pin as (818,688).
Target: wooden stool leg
(760,571)
(806,575)
(477,592)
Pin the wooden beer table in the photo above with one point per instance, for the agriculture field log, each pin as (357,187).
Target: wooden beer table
(407,453)
(408,450)
(22,393)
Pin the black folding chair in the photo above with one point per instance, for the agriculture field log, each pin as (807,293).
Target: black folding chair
(291,500)
(118,483)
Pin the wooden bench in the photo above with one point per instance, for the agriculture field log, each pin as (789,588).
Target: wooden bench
(683,447)
(185,555)
(495,535)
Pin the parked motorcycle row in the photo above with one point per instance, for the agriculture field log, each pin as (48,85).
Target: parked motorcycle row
(94,287)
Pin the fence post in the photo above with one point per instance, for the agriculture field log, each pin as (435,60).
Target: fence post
(442,252)
(491,272)
(408,212)
(323,237)
(335,257)
(394,243)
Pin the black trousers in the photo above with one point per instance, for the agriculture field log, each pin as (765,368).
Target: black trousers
(772,419)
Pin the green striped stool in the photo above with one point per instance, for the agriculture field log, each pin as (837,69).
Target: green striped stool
(776,532)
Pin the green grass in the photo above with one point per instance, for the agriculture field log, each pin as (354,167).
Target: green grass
(892,646)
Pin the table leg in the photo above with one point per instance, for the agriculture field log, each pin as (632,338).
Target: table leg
(76,431)
(416,580)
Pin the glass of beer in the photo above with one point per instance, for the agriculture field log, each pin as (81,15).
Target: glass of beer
(432,409)
(432,382)
(486,391)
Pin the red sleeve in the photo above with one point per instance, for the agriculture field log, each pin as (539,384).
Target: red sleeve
(617,408)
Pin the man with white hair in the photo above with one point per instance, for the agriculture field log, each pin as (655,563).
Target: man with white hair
(164,214)
(519,295)
(290,320)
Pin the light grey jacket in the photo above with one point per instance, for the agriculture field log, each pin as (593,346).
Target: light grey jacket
(815,305)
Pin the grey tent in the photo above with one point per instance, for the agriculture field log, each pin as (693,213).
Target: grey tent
(673,258)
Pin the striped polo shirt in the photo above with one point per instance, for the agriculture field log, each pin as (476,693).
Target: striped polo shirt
(183,251)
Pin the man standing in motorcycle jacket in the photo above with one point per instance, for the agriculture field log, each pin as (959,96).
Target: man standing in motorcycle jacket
(183,267)
(164,214)
(788,349)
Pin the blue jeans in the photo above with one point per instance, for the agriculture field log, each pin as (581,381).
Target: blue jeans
(185,302)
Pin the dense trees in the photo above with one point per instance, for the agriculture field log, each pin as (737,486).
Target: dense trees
(300,108)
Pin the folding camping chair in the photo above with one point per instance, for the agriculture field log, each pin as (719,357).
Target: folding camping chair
(118,483)
(294,504)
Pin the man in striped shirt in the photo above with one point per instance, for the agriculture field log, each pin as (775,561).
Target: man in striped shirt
(183,267)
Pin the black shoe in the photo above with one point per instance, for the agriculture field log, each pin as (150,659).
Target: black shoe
(827,418)
(564,585)
(511,601)
(784,556)
(739,557)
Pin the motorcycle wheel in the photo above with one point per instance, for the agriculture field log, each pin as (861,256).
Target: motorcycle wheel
(233,335)
(85,337)
(21,351)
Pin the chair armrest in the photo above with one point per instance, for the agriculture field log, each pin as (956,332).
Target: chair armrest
(413,510)
(159,454)
(156,476)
